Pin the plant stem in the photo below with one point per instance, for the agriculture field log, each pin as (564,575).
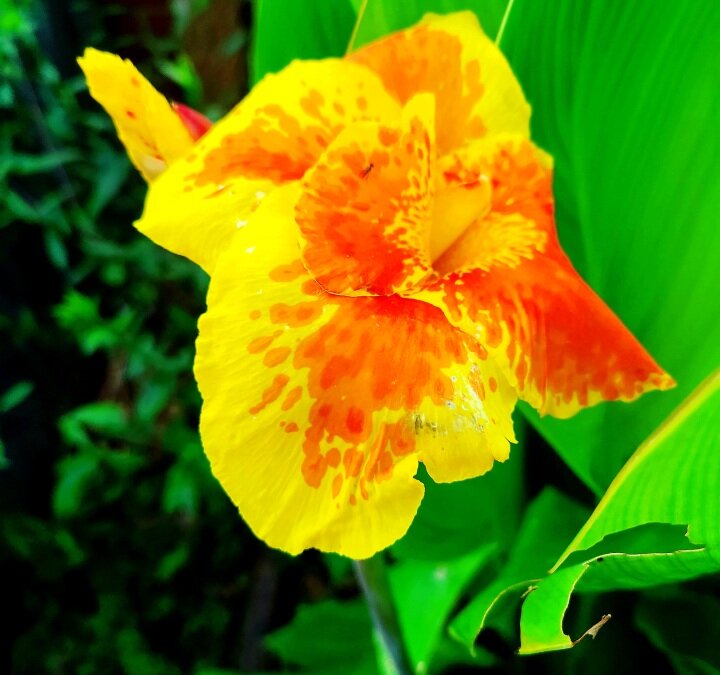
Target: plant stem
(372,577)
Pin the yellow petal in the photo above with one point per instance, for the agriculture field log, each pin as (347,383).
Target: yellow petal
(365,207)
(450,56)
(273,136)
(152,133)
(316,407)
(463,438)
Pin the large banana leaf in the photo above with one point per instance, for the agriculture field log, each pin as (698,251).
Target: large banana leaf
(632,539)
(625,97)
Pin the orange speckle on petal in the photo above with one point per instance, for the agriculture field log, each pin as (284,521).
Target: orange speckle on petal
(260,344)
(337,485)
(271,394)
(293,396)
(275,357)
(301,314)
(286,273)
(352,461)
(314,468)
(333,457)
(388,136)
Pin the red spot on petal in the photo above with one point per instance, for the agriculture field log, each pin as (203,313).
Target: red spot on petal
(355,420)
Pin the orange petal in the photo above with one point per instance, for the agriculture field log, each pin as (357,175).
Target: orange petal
(152,133)
(317,407)
(450,56)
(507,282)
(273,136)
(365,208)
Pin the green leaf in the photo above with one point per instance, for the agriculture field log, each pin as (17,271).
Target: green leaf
(105,417)
(56,249)
(181,493)
(549,522)
(110,176)
(4,461)
(339,567)
(31,164)
(80,315)
(454,519)
(673,478)
(623,98)
(182,71)
(539,629)
(433,588)
(76,473)
(50,550)
(14,396)
(18,208)
(328,637)
(172,562)
(296,29)
(381,18)
(541,621)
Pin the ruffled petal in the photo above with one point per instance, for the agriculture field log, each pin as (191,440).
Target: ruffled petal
(364,211)
(507,282)
(273,136)
(317,407)
(450,56)
(151,131)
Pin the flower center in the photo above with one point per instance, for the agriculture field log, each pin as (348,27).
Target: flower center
(455,208)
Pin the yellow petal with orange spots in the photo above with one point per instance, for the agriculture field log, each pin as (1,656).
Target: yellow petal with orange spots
(365,207)
(450,56)
(273,136)
(317,406)
(463,438)
(152,133)
(507,282)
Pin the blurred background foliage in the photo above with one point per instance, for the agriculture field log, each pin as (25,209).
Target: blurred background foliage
(119,553)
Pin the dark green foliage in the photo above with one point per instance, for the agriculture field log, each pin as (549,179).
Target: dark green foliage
(118,551)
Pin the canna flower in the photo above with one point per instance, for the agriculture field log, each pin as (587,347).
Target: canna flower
(386,279)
